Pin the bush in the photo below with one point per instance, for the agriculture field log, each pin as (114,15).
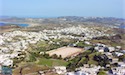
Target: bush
(54,56)
(32,58)
(46,56)
(122,58)
(101,73)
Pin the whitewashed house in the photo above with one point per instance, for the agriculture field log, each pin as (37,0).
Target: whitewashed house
(60,69)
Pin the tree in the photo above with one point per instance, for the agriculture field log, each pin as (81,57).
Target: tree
(92,50)
(54,56)
(46,56)
(87,57)
(122,58)
(101,73)
(101,59)
(60,57)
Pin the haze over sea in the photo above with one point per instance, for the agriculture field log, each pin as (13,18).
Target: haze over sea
(18,24)
(54,8)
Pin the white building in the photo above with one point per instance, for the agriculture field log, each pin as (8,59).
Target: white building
(60,69)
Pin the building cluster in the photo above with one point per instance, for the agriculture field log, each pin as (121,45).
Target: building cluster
(111,52)
(12,44)
(81,33)
(85,70)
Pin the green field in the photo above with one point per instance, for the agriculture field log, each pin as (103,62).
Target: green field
(51,62)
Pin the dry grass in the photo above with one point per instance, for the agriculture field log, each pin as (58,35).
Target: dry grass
(29,70)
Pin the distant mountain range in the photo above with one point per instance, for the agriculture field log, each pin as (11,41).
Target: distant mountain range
(93,19)
(66,19)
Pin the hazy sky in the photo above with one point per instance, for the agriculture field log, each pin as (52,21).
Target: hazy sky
(54,8)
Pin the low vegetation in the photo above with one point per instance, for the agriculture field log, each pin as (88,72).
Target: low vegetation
(88,57)
(51,62)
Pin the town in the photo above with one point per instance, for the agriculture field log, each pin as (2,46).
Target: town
(62,37)
(73,46)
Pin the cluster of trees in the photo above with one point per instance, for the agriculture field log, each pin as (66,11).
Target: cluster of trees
(51,57)
(81,44)
(57,43)
(101,59)
(34,55)
(18,59)
(88,57)
(79,60)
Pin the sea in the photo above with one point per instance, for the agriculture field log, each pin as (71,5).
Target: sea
(18,24)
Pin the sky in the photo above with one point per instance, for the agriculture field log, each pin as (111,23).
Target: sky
(55,8)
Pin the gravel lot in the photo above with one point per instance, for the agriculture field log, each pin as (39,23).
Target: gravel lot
(66,51)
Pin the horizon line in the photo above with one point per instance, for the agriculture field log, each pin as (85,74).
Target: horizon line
(62,16)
